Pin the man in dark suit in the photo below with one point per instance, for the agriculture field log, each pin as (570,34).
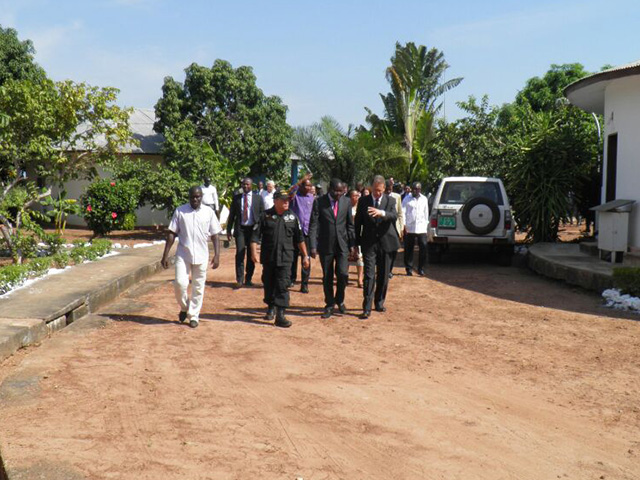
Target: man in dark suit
(331,233)
(376,234)
(247,209)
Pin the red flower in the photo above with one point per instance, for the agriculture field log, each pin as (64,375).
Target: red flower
(89,208)
(113,184)
(114,214)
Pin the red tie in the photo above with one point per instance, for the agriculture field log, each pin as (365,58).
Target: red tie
(245,209)
(335,209)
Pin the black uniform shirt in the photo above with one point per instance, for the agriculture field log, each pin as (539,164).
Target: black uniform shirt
(278,234)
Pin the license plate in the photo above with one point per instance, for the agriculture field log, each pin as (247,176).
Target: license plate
(448,221)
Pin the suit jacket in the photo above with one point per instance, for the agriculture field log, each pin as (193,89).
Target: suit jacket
(235,212)
(382,230)
(330,234)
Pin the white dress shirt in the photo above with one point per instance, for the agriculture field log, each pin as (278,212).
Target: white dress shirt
(416,213)
(210,196)
(267,198)
(250,220)
(193,228)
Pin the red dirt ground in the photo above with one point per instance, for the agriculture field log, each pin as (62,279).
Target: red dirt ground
(475,372)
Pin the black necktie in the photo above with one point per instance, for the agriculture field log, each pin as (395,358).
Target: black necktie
(377,203)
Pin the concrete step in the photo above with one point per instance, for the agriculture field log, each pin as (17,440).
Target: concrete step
(631,260)
(590,248)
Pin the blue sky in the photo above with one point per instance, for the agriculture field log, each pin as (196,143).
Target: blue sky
(321,57)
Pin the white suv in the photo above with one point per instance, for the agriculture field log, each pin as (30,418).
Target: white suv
(471,211)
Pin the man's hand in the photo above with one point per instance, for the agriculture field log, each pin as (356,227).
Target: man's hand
(306,263)
(164,262)
(314,252)
(374,212)
(215,262)
(228,235)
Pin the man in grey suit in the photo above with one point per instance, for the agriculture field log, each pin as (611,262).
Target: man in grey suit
(376,234)
(331,233)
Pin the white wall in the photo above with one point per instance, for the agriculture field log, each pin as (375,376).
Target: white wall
(622,116)
(146,216)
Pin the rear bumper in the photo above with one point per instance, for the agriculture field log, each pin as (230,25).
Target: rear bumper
(435,237)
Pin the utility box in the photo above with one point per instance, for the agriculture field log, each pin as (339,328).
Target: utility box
(613,228)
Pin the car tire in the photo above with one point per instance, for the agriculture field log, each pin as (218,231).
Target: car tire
(466,215)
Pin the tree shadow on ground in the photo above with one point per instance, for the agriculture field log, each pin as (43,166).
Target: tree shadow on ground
(477,271)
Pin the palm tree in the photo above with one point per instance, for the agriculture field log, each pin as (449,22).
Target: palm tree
(410,108)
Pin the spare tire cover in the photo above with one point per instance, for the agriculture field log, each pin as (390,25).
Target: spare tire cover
(480,215)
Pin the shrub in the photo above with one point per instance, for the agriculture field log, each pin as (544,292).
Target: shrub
(61,259)
(53,241)
(106,203)
(627,280)
(129,222)
(13,276)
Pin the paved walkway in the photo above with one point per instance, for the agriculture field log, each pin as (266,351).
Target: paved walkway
(30,314)
(565,261)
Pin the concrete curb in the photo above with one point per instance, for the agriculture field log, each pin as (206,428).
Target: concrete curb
(570,268)
(28,331)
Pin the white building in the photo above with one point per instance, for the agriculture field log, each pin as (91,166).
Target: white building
(141,123)
(615,94)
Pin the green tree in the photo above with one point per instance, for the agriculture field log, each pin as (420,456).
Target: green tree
(223,108)
(330,151)
(474,145)
(550,156)
(55,131)
(416,79)
(16,58)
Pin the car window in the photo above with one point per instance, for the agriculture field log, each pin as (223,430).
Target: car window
(461,192)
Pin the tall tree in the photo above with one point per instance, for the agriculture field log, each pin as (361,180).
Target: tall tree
(223,107)
(16,58)
(55,131)
(416,79)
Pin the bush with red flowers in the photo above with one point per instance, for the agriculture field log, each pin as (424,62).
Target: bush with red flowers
(109,205)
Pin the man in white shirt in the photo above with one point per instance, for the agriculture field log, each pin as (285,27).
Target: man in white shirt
(416,221)
(210,195)
(267,194)
(193,224)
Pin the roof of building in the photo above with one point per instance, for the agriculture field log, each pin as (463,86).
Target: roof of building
(141,123)
(588,92)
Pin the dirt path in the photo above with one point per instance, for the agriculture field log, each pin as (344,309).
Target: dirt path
(477,372)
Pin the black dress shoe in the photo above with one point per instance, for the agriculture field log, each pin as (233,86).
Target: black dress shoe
(238,285)
(342,308)
(409,272)
(421,273)
(304,288)
(328,311)
(390,274)
(380,308)
(182,317)
(248,283)
(365,314)
(271,313)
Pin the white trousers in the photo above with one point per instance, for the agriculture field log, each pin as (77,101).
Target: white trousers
(181,285)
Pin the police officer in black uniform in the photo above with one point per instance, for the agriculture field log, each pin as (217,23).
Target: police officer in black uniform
(278,231)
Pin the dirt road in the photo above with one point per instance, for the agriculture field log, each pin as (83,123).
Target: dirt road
(476,372)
